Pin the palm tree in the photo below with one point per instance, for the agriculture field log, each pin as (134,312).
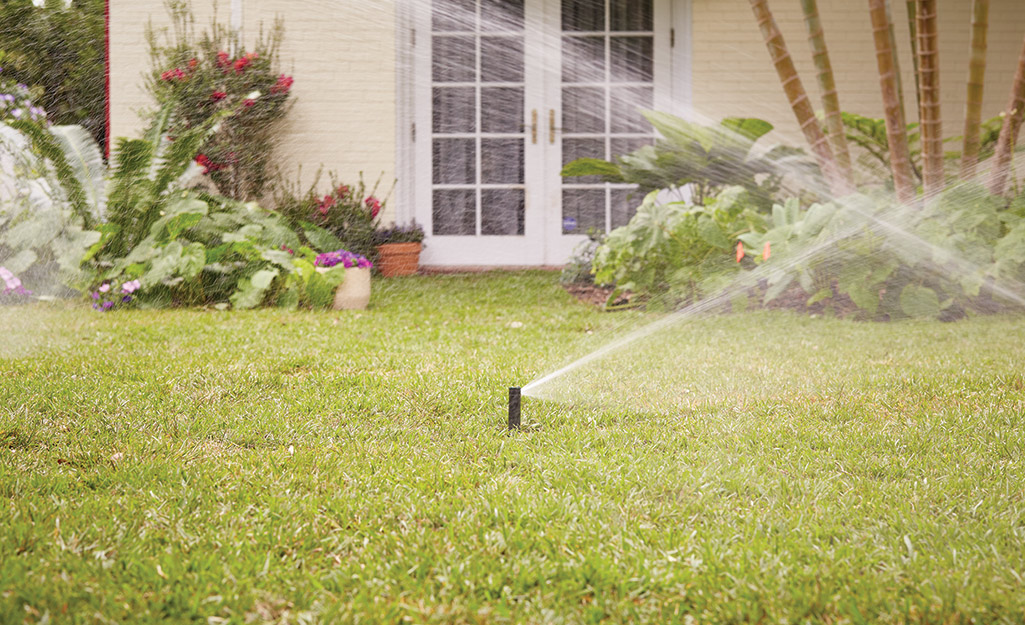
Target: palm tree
(929,115)
(913,30)
(798,97)
(830,99)
(896,131)
(976,77)
(1009,131)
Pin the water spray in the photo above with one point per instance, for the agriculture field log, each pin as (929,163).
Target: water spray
(514,407)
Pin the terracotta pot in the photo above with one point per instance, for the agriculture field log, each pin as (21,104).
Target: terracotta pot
(398,259)
(354,293)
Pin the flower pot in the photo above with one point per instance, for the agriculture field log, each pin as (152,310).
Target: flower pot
(398,259)
(354,293)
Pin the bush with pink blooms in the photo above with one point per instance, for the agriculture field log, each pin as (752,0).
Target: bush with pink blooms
(202,75)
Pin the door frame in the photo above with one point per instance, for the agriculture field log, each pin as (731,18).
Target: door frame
(673,19)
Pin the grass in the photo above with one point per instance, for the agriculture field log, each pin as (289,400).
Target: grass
(202,466)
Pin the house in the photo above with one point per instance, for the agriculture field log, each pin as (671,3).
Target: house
(475,105)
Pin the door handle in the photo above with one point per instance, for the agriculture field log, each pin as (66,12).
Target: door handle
(533,126)
(551,126)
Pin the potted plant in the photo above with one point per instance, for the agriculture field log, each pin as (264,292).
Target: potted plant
(354,292)
(398,250)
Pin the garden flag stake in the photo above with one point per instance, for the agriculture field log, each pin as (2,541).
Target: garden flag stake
(766,252)
(740,251)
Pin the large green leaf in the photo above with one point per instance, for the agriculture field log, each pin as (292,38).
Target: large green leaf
(251,291)
(919,302)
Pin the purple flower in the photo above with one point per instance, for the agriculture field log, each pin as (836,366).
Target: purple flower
(130,287)
(126,299)
(344,258)
(104,287)
(107,306)
(96,295)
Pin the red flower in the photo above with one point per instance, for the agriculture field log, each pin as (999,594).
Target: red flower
(283,85)
(374,205)
(205,161)
(217,96)
(240,65)
(326,204)
(343,190)
(193,63)
(223,60)
(174,74)
(248,103)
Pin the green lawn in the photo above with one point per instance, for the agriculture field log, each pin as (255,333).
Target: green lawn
(204,466)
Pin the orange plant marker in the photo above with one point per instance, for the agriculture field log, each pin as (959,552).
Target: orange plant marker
(766,252)
(740,251)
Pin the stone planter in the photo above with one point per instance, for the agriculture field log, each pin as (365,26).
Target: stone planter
(354,293)
(398,259)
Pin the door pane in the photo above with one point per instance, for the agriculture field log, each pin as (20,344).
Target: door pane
(583,210)
(587,15)
(624,203)
(503,15)
(583,110)
(454,110)
(455,212)
(454,59)
(501,109)
(627,104)
(631,15)
(574,148)
(455,161)
(502,211)
(583,59)
(452,15)
(501,161)
(631,59)
(501,59)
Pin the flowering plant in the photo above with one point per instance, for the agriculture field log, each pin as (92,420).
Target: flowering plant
(201,78)
(11,283)
(411,233)
(110,295)
(344,258)
(16,103)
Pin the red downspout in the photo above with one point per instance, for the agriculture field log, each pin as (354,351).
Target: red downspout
(106,77)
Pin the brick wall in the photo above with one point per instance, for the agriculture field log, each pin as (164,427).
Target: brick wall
(341,54)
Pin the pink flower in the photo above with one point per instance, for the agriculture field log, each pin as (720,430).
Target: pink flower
(374,205)
(283,85)
(223,60)
(217,96)
(248,103)
(104,287)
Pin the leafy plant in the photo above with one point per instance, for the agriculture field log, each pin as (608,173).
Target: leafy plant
(705,159)
(410,233)
(197,78)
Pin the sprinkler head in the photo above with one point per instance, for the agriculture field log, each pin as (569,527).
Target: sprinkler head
(514,408)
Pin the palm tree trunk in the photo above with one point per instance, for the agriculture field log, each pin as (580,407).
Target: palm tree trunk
(896,131)
(913,29)
(1009,131)
(827,83)
(973,100)
(798,97)
(929,115)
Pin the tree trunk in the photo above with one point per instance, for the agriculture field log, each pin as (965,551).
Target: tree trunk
(830,99)
(798,97)
(929,115)
(1009,131)
(896,131)
(913,30)
(973,101)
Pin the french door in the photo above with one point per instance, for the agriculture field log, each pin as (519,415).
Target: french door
(508,91)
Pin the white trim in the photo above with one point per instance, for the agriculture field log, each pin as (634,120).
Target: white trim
(405,111)
(683,59)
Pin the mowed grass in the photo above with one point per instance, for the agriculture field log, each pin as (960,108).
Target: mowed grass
(204,466)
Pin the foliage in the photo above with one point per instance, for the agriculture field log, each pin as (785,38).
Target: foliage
(109,296)
(198,78)
(579,268)
(677,251)
(409,233)
(703,158)
(346,217)
(45,219)
(58,49)
(17,102)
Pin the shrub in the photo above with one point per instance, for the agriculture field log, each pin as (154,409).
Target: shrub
(198,77)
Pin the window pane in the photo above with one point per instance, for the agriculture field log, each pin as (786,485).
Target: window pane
(631,15)
(583,110)
(454,60)
(501,161)
(582,210)
(625,146)
(501,109)
(583,59)
(501,59)
(501,211)
(454,109)
(627,103)
(631,59)
(624,203)
(455,161)
(455,212)
(501,15)
(449,15)
(583,15)
(573,149)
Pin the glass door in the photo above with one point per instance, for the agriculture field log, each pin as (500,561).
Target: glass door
(508,92)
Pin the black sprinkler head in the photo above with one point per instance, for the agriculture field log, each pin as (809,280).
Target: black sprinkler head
(514,408)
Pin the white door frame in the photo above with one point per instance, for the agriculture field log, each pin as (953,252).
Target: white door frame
(673,93)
